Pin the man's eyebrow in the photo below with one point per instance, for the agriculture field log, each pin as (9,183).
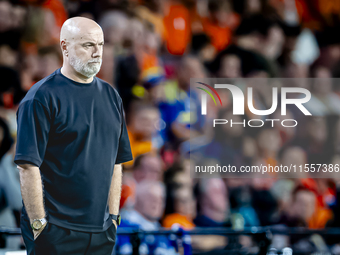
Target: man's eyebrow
(92,43)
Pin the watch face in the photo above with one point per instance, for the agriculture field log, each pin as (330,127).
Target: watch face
(119,219)
(37,224)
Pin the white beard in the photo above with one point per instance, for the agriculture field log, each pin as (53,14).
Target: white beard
(86,69)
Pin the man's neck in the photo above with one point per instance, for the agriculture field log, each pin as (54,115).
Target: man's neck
(144,222)
(145,217)
(77,77)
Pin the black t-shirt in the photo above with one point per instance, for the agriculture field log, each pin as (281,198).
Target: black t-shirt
(75,133)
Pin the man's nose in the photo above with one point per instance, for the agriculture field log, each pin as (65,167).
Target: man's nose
(96,52)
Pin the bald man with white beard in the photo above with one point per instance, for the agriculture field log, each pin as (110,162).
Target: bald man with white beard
(71,141)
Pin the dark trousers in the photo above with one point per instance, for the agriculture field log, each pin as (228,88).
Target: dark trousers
(55,240)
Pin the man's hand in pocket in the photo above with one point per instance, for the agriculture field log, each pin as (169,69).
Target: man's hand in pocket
(38,232)
(115,223)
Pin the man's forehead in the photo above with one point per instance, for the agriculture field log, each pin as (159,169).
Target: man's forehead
(90,36)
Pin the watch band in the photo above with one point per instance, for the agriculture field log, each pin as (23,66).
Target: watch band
(117,218)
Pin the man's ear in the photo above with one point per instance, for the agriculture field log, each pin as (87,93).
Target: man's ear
(64,47)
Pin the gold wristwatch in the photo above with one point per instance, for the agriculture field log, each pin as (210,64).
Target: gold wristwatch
(38,223)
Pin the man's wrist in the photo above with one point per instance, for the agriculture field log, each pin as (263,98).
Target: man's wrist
(116,218)
(36,218)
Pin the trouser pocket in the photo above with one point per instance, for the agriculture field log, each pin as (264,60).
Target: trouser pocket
(111,233)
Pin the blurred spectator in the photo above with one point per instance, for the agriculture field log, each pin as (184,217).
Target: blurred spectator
(148,167)
(301,209)
(143,130)
(213,204)
(219,23)
(182,210)
(306,208)
(58,10)
(127,75)
(178,175)
(269,145)
(230,67)
(263,200)
(114,25)
(139,70)
(12,19)
(41,29)
(248,33)
(49,59)
(149,208)
(152,11)
(5,10)
(242,212)
(176,111)
(150,64)
(324,199)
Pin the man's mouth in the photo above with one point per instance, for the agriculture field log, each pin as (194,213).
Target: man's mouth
(93,62)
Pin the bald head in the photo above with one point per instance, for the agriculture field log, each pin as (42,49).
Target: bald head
(81,41)
(76,27)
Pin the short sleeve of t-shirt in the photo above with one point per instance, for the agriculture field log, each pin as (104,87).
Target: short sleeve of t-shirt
(124,150)
(33,121)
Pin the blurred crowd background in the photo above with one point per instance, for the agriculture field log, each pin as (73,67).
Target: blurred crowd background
(152,49)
